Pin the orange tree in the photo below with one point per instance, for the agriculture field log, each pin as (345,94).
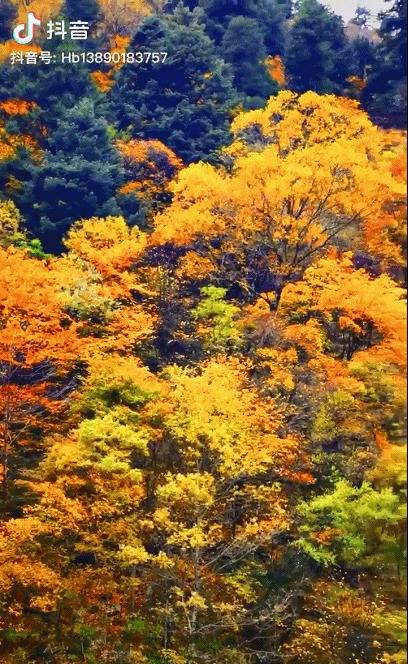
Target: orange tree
(39,348)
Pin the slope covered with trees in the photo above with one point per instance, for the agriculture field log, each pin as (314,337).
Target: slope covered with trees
(203,341)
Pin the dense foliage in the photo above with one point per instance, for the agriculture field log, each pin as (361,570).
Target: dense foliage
(203,340)
(186,102)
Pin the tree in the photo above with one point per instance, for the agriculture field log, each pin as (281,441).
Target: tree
(184,102)
(18,144)
(8,15)
(101,286)
(349,300)
(340,622)
(287,7)
(78,297)
(362,55)
(150,166)
(242,47)
(257,23)
(269,14)
(37,355)
(77,178)
(12,232)
(345,525)
(120,17)
(385,95)
(394,32)
(202,418)
(273,15)
(217,320)
(53,90)
(314,56)
(191,531)
(78,10)
(51,9)
(256,237)
(363,405)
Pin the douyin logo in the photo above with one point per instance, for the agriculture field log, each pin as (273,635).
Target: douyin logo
(24,33)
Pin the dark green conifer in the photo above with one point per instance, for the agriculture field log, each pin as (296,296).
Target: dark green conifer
(315,50)
(186,101)
(77,179)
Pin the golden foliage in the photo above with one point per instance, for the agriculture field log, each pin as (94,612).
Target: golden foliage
(150,165)
(110,247)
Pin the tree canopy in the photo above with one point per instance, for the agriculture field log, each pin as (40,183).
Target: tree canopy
(203,335)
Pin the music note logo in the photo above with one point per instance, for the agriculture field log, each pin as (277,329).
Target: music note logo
(24,34)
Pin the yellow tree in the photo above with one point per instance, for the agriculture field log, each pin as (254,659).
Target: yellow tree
(363,312)
(173,490)
(304,174)
(349,328)
(100,286)
(57,313)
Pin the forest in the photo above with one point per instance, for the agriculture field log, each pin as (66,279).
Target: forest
(203,335)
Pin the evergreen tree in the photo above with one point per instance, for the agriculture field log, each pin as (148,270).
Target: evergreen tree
(386,93)
(361,54)
(243,47)
(218,14)
(54,88)
(394,33)
(286,7)
(185,101)
(8,15)
(82,10)
(77,178)
(315,51)
(269,14)
(245,32)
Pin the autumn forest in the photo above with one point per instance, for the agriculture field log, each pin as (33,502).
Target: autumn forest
(202,335)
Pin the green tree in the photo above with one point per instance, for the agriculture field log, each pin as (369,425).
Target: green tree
(245,32)
(243,47)
(361,55)
(269,14)
(386,96)
(355,527)
(272,16)
(82,10)
(394,32)
(54,89)
(186,101)
(77,178)
(217,317)
(315,50)
(8,14)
